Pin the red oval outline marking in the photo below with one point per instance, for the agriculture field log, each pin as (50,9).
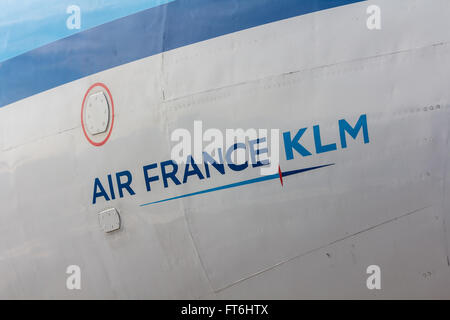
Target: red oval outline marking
(98,144)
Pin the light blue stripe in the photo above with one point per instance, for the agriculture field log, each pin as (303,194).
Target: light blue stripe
(29,24)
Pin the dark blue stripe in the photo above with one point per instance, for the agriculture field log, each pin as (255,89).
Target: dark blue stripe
(290,173)
(241,183)
(140,35)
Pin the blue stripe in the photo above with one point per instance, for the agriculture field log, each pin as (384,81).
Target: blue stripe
(241,183)
(29,24)
(140,35)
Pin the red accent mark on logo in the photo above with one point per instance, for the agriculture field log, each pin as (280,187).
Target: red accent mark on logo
(98,144)
(280,174)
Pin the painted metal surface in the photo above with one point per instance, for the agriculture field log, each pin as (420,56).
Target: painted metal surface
(381,203)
